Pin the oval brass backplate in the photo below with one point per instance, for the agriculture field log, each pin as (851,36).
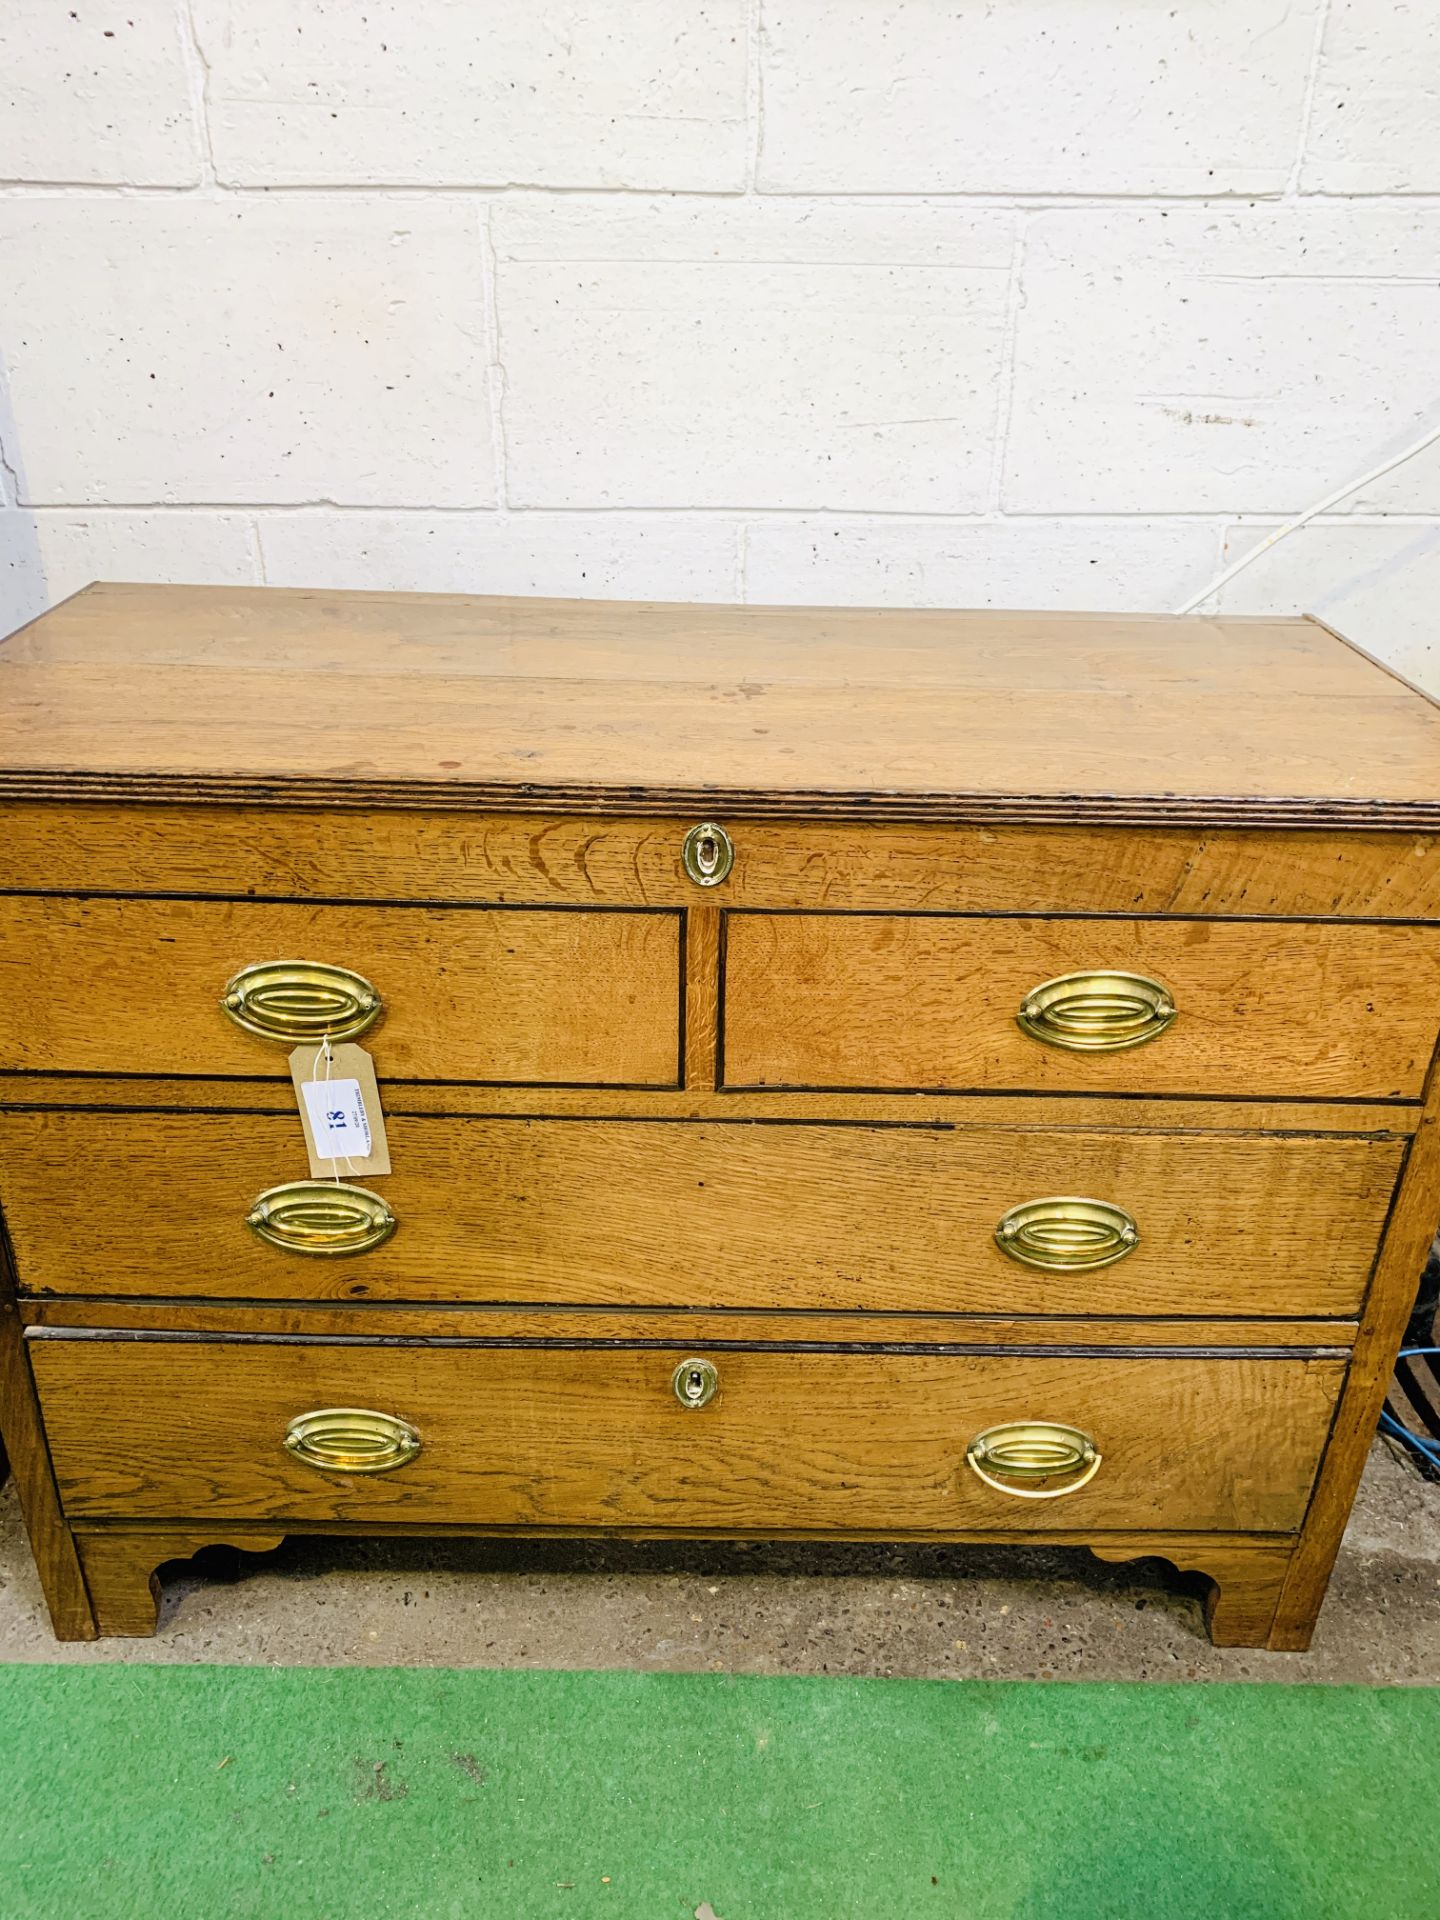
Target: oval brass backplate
(321,1217)
(1066,1234)
(1096,1012)
(351,1440)
(695,1382)
(295,1000)
(1033,1452)
(707,854)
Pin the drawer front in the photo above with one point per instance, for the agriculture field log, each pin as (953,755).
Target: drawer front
(556,996)
(543,1436)
(715,1214)
(536,859)
(929,1002)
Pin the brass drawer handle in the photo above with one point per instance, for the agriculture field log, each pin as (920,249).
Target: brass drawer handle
(295,1000)
(1096,1012)
(351,1440)
(707,854)
(1032,1451)
(1067,1235)
(319,1216)
(695,1383)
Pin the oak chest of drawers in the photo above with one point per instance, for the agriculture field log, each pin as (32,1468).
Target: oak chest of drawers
(873,1075)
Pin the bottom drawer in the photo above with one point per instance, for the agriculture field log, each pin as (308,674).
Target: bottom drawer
(533,1436)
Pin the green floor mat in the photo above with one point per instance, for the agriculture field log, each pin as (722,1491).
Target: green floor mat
(335,1794)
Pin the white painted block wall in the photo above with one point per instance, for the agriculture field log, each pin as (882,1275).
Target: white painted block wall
(1045,303)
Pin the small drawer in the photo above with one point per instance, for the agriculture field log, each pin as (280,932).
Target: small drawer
(936,1003)
(667,1437)
(523,996)
(706,1214)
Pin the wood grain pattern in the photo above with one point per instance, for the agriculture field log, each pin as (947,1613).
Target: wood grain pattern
(702,1214)
(932,813)
(121,1573)
(142,1429)
(23,1435)
(143,692)
(1268,1008)
(1125,1113)
(550,995)
(1246,1582)
(702,997)
(1243,1569)
(539,859)
(1407,1242)
(377,1321)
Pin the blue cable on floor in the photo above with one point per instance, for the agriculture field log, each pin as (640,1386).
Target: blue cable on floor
(1389,1424)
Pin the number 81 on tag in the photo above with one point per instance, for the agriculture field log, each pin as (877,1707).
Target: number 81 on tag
(339,1124)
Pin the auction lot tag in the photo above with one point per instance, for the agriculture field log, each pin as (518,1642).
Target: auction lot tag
(336,1112)
(340,1110)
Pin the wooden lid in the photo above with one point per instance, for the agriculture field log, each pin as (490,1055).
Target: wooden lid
(219,694)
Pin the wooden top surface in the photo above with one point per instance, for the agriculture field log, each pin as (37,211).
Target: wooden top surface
(213,694)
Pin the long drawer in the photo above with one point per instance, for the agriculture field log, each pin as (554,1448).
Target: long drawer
(930,1002)
(518,995)
(710,1213)
(659,1436)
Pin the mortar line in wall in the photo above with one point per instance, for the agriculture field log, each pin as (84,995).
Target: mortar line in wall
(754,95)
(198,69)
(1307,104)
(1005,396)
(1245,517)
(20,190)
(495,366)
(258,547)
(751,514)
(1021,202)
(742,561)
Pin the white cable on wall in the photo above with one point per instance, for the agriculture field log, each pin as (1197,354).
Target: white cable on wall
(1330,500)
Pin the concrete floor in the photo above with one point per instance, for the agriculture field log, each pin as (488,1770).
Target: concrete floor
(922,1611)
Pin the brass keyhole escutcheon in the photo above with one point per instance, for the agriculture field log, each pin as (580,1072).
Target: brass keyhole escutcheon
(695,1383)
(707,855)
